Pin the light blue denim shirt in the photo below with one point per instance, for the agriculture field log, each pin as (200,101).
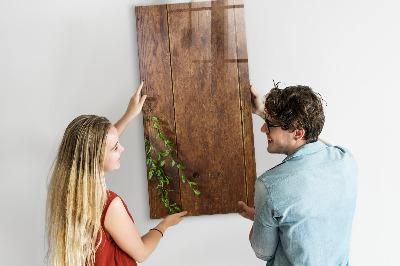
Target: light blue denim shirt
(305,206)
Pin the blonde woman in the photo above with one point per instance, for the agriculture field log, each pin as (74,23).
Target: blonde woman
(86,223)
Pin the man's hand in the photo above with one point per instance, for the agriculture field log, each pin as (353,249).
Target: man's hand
(247,212)
(257,105)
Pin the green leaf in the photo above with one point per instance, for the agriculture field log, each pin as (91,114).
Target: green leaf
(146,142)
(155,118)
(170,142)
(179,166)
(196,192)
(173,163)
(182,167)
(192,183)
(183,179)
(177,208)
(162,163)
(150,174)
(156,126)
(162,136)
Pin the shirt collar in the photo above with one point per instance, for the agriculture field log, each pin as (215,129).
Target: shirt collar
(306,149)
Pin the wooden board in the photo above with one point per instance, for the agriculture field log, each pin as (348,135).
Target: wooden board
(193,59)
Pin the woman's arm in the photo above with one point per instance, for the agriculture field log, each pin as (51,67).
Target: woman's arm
(134,108)
(122,229)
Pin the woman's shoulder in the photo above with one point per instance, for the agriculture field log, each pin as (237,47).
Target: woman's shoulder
(116,203)
(111,195)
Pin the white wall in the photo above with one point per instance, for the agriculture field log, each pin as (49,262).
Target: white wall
(59,59)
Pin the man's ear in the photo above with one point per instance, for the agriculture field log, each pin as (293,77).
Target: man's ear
(299,134)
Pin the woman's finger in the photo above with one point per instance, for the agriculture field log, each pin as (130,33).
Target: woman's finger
(142,100)
(139,89)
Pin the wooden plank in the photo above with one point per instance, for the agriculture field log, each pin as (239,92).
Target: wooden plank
(207,104)
(155,71)
(245,96)
(193,59)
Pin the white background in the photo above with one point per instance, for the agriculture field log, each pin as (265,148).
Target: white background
(60,59)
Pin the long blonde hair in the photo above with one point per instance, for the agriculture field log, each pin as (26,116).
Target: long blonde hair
(77,193)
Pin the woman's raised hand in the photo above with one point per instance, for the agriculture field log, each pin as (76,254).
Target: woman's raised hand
(136,103)
(134,107)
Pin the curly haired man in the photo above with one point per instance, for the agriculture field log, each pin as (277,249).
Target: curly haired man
(304,206)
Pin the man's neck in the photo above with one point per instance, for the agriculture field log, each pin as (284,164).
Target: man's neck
(297,145)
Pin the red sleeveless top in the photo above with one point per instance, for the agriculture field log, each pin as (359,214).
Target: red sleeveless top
(108,253)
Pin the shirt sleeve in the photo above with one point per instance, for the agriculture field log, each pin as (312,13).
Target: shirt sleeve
(264,239)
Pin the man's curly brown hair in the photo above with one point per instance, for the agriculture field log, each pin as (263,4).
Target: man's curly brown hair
(297,107)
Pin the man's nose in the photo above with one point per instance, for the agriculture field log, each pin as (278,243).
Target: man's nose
(264,128)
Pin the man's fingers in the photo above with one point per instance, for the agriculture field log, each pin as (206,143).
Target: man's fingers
(242,205)
(253,92)
(244,214)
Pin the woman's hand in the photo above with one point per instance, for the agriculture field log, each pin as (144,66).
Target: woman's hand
(171,220)
(135,106)
(122,229)
(247,212)
(257,105)
(174,219)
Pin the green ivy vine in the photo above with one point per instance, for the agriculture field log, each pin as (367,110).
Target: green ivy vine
(155,160)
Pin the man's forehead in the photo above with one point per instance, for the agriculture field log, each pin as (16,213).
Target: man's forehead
(268,117)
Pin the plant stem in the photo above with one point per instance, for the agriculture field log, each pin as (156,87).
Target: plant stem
(155,167)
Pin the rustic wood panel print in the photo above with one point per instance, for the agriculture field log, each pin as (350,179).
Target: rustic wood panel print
(193,59)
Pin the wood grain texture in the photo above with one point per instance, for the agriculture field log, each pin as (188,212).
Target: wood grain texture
(155,71)
(245,96)
(206,104)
